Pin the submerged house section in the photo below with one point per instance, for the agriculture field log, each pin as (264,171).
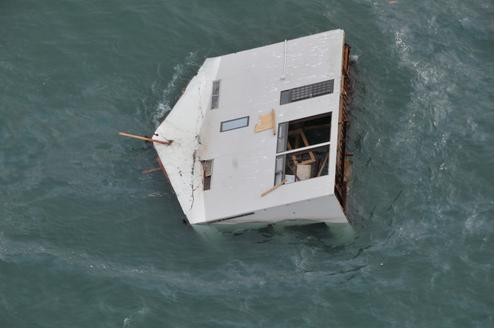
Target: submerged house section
(259,135)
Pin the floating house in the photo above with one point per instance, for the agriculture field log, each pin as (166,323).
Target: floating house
(259,135)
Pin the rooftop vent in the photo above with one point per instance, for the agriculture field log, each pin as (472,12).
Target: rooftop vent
(307,91)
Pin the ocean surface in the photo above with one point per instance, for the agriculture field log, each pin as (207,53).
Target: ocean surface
(88,240)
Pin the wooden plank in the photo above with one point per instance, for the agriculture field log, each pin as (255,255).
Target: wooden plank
(266,122)
(266,192)
(306,143)
(308,161)
(134,136)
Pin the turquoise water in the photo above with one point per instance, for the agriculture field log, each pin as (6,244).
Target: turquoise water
(87,240)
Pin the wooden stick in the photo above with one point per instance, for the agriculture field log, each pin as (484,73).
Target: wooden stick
(152,170)
(264,193)
(323,165)
(308,161)
(134,136)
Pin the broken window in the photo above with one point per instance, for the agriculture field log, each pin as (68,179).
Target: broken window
(302,165)
(234,124)
(215,94)
(306,91)
(303,147)
(305,132)
(207,173)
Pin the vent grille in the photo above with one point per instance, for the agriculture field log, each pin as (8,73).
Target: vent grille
(307,91)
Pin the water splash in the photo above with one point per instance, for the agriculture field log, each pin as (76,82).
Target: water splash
(167,98)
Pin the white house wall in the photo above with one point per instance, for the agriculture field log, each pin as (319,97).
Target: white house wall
(324,209)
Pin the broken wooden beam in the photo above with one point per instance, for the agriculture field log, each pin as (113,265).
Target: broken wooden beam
(281,183)
(155,169)
(143,138)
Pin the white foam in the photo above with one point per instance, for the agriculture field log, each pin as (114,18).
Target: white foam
(164,106)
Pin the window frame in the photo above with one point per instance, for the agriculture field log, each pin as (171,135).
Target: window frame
(283,133)
(283,157)
(214,104)
(282,139)
(232,120)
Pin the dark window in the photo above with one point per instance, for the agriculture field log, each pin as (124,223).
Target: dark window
(215,94)
(305,132)
(307,91)
(232,217)
(234,124)
(207,173)
(302,165)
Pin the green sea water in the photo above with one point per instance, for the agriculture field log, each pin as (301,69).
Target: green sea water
(87,240)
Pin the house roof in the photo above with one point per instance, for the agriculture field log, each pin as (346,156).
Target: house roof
(251,82)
